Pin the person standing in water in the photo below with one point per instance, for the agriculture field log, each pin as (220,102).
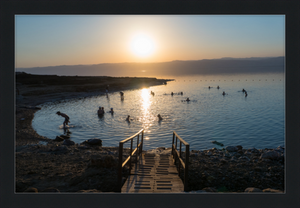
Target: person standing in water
(67,118)
(159,117)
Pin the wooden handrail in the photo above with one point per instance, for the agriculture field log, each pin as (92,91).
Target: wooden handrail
(177,156)
(138,151)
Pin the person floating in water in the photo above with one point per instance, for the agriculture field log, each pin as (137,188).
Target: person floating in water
(181,93)
(208,87)
(100,111)
(218,87)
(188,99)
(111,111)
(172,93)
(223,93)
(67,119)
(159,117)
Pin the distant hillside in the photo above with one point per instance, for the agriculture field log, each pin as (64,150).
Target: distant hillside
(173,68)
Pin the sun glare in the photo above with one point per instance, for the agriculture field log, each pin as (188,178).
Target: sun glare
(142,45)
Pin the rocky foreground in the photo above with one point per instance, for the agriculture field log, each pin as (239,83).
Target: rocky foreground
(46,165)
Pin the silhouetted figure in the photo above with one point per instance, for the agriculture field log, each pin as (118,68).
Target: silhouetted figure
(208,87)
(100,111)
(67,119)
(246,94)
(128,118)
(122,94)
(172,93)
(159,117)
(243,90)
(181,93)
(223,93)
(111,111)
(218,87)
(188,99)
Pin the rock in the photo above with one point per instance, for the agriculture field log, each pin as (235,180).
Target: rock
(50,189)
(68,142)
(162,148)
(244,158)
(231,148)
(209,189)
(253,150)
(252,189)
(61,149)
(31,189)
(239,147)
(223,161)
(107,161)
(272,190)
(93,142)
(270,155)
(65,136)
(208,153)
(58,139)
(217,143)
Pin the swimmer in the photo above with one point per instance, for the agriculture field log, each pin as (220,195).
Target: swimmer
(223,93)
(208,87)
(67,119)
(100,111)
(172,93)
(181,93)
(218,87)
(111,111)
(159,117)
(188,99)
(128,118)
(243,90)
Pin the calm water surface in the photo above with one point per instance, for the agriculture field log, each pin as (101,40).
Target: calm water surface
(257,120)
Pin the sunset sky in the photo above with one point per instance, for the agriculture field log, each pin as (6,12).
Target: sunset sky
(52,40)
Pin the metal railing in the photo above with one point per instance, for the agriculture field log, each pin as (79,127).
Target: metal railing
(178,157)
(138,151)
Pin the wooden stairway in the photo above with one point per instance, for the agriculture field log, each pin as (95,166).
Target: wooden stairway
(153,173)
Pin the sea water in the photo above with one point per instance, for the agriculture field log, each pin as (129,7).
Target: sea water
(257,120)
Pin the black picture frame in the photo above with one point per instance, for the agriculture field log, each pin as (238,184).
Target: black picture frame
(7,98)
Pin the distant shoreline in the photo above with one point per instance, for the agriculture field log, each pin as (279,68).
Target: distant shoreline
(168,69)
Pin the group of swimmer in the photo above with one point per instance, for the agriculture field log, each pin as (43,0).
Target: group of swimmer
(101,111)
(128,119)
(181,93)
(244,91)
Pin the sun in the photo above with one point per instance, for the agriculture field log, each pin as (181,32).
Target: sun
(142,45)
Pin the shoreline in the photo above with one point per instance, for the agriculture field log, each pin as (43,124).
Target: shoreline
(61,167)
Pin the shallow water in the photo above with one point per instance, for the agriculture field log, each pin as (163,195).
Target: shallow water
(257,120)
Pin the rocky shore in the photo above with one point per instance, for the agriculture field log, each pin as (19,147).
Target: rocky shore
(47,165)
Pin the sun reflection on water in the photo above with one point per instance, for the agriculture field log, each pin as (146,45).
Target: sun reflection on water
(146,117)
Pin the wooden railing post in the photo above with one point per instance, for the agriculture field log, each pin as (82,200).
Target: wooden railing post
(173,143)
(120,166)
(186,170)
(130,156)
(137,148)
(179,157)
(142,141)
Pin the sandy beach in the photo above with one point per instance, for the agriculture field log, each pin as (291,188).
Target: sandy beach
(46,165)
